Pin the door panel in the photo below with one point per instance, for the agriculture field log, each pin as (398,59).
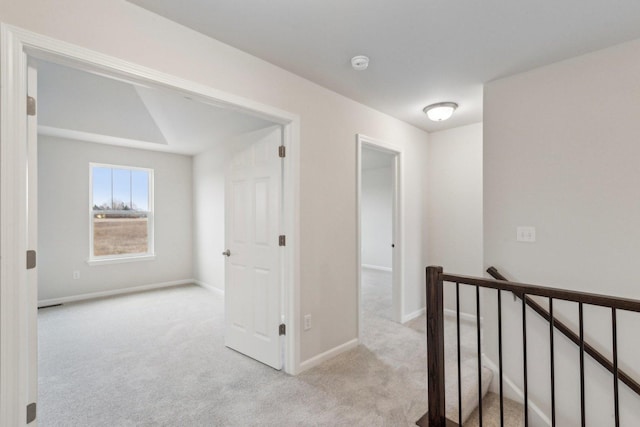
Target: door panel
(253,278)
(261,312)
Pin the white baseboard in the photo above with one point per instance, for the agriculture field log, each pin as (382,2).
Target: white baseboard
(209,287)
(512,391)
(316,360)
(413,315)
(447,312)
(463,316)
(114,292)
(377,267)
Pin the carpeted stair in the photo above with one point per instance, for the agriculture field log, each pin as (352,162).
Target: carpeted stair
(513,413)
(469,371)
(389,341)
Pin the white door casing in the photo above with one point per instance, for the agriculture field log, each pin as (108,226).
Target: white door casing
(32,239)
(16,305)
(252,228)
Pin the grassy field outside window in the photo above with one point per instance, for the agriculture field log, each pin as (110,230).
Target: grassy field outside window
(121,212)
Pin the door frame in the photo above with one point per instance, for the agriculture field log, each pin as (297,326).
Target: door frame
(363,141)
(17,304)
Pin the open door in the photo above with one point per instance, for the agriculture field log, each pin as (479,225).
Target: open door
(253,272)
(388,201)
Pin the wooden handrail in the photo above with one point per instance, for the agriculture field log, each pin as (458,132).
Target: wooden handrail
(568,332)
(543,291)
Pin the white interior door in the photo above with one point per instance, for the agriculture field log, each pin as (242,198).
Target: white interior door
(252,227)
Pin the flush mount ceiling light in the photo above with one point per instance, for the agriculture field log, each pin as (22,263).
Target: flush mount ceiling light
(360,62)
(440,111)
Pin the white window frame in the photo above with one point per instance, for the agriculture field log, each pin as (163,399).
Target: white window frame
(120,258)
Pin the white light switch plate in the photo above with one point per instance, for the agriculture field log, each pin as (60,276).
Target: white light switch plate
(526,234)
(307,322)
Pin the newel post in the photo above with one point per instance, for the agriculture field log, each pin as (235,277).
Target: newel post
(435,347)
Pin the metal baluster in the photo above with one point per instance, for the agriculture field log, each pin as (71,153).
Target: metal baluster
(524,358)
(582,408)
(552,361)
(479,355)
(614,332)
(500,356)
(459,358)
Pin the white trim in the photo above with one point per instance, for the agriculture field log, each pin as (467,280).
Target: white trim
(467,317)
(413,315)
(377,267)
(32,236)
(15,307)
(114,292)
(291,226)
(322,357)
(14,304)
(512,391)
(398,226)
(103,139)
(209,287)
(121,259)
(471,318)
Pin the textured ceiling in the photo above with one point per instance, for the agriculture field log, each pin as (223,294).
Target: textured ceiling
(421,51)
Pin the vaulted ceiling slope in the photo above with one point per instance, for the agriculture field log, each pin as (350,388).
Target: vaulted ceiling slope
(95,108)
(421,51)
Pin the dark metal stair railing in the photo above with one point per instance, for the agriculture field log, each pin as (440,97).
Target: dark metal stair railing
(568,332)
(436,416)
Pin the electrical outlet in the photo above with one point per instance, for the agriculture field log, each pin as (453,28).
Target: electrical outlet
(526,234)
(76,274)
(307,322)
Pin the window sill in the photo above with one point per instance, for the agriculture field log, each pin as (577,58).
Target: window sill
(120,260)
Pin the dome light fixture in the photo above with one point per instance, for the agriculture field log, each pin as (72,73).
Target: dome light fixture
(440,111)
(360,62)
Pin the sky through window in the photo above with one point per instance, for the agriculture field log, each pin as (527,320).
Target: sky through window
(120,188)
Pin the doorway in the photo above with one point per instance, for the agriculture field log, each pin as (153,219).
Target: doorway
(379,237)
(18,307)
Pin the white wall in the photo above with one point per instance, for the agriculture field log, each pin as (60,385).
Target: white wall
(329,124)
(208,217)
(454,202)
(377,216)
(561,153)
(63,219)
(209,206)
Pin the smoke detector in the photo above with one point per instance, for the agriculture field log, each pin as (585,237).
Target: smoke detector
(360,62)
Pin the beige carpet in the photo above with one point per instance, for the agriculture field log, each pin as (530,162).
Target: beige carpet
(513,413)
(158,359)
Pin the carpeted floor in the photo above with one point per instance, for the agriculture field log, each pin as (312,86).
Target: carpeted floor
(158,359)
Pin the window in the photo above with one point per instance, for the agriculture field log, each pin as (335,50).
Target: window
(121,213)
